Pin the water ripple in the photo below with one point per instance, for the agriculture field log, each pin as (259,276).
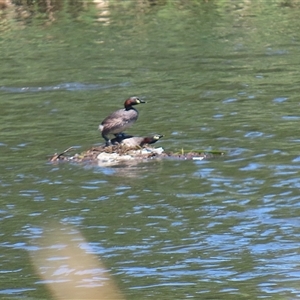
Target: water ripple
(69,86)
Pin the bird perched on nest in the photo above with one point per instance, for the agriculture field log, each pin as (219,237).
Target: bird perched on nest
(120,120)
(136,141)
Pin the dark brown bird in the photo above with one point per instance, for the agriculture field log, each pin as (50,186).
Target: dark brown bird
(120,120)
(136,141)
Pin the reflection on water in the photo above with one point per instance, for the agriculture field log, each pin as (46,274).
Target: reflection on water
(71,86)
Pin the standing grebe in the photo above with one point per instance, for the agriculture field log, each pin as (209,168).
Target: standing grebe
(120,120)
(136,141)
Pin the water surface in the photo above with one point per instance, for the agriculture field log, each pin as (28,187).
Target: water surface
(215,76)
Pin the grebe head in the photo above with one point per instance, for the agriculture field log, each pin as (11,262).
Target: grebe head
(152,139)
(132,101)
(157,137)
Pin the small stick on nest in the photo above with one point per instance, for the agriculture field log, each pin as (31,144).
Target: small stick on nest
(57,156)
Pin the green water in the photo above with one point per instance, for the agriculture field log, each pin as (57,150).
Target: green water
(216,75)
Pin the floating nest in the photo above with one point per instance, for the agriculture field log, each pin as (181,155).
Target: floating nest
(116,154)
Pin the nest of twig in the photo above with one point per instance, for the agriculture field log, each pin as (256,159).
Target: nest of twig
(120,153)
